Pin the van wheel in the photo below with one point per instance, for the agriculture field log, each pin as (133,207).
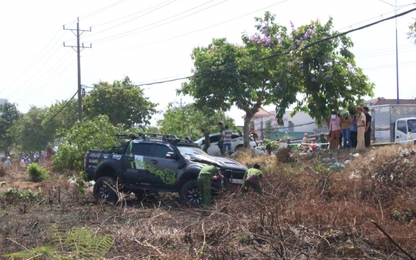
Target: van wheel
(189,193)
(105,190)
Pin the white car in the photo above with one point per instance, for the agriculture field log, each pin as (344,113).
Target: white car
(237,142)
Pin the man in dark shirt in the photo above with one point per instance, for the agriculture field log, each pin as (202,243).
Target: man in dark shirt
(367,134)
(207,142)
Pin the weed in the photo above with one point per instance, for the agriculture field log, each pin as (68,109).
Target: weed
(37,173)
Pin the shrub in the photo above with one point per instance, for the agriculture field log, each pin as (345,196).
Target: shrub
(37,173)
(283,155)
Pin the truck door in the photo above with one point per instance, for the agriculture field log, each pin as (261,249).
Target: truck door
(400,133)
(162,169)
(136,158)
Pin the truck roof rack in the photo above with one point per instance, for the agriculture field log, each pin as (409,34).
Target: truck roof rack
(171,138)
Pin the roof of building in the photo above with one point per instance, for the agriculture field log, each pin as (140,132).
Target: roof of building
(385,101)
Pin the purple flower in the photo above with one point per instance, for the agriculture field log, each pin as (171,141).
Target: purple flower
(277,84)
(292,25)
(296,62)
(289,64)
(307,34)
(313,79)
(266,24)
(350,67)
(320,68)
(265,31)
(267,40)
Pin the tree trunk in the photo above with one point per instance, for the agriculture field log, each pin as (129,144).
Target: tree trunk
(246,130)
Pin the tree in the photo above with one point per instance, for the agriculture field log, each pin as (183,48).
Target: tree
(9,115)
(121,101)
(273,67)
(31,135)
(61,116)
(189,120)
(97,133)
(321,74)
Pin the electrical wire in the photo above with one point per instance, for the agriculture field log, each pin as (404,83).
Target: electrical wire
(208,27)
(285,52)
(60,110)
(102,9)
(156,24)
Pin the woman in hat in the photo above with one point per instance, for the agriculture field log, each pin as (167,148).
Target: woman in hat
(361,122)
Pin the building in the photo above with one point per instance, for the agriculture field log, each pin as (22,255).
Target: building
(295,126)
(385,101)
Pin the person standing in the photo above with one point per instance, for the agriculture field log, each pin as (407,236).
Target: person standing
(252,179)
(367,134)
(227,139)
(207,173)
(353,130)
(7,163)
(207,142)
(361,124)
(221,141)
(345,129)
(334,131)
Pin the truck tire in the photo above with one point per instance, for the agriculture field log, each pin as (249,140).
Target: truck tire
(105,190)
(189,193)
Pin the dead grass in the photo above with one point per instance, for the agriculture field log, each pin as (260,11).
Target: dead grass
(309,211)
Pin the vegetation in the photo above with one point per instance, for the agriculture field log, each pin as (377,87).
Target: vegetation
(274,67)
(37,173)
(122,102)
(98,133)
(308,209)
(189,120)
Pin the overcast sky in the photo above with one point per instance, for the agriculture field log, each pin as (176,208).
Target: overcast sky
(151,41)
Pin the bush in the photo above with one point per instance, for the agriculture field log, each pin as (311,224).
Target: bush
(37,173)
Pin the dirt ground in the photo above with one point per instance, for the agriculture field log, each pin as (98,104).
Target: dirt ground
(320,205)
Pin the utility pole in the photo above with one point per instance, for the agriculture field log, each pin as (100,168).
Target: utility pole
(78,47)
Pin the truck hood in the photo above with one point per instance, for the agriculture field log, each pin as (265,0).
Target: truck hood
(221,162)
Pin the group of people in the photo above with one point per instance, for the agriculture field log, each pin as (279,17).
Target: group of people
(208,173)
(354,128)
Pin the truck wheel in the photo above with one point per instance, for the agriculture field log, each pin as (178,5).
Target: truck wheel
(190,193)
(105,190)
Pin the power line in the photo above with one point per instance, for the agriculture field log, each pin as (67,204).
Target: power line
(208,27)
(156,24)
(285,52)
(60,110)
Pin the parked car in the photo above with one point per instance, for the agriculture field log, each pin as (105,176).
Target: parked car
(237,142)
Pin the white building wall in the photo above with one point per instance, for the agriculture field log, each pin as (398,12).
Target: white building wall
(302,122)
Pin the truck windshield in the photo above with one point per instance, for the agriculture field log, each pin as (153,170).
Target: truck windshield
(412,125)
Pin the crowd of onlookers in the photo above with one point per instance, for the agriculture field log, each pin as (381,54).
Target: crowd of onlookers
(25,159)
(346,130)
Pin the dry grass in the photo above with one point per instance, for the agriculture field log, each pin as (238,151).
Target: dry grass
(308,212)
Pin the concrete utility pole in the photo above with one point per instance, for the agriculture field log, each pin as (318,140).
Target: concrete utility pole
(78,47)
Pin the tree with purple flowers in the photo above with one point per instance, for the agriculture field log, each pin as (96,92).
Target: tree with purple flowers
(302,68)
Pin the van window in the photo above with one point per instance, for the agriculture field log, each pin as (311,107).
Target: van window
(402,126)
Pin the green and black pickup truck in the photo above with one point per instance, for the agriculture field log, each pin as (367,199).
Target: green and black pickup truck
(154,163)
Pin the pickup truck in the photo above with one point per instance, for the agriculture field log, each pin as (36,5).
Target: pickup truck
(146,164)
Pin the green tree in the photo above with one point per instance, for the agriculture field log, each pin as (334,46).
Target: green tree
(9,115)
(31,135)
(61,116)
(321,74)
(273,67)
(189,120)
(97,133)
(121,101)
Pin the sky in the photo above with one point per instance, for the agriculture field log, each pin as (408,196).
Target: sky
(152,41)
